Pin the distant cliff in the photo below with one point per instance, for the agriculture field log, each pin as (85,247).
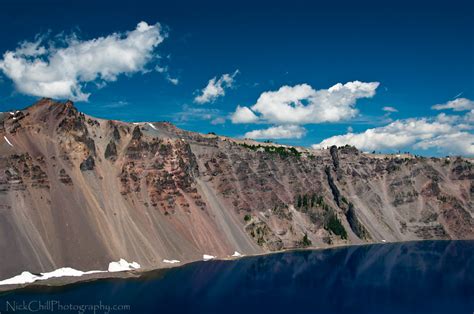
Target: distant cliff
(81,192)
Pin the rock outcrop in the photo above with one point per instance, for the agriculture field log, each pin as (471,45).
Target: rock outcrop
(76,191)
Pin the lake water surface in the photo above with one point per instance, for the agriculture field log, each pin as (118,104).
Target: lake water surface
(415,277)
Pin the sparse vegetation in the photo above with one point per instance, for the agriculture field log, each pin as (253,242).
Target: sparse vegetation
(282,212)
(306,201)
(320,212)
(264,236)
(284,152)
(306,241)
(334,225)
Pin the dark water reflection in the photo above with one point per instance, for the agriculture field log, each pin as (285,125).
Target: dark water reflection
(418,277)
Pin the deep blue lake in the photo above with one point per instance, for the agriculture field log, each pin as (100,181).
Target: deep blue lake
(415,277)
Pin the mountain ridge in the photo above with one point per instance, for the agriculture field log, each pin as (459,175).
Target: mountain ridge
(78,191)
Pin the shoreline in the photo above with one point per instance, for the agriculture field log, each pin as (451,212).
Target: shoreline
(147,273)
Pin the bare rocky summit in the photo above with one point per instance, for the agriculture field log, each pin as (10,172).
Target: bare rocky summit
(81,192)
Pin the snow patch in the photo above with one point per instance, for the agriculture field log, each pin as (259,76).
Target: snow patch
(236,254)
(122,265)
(6,139)
(207,257)
(25,277)
(68,272)
(152,126)
(173,261)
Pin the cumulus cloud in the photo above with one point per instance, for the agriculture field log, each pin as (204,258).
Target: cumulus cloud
(277,132)
(451,143)
(459,104)
(301,104)
(446,134)
(62,71)
(215,88)
(243,115)
(470,117)
(389,109)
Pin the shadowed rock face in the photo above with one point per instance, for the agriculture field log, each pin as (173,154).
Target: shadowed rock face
(80,192)
(87,164)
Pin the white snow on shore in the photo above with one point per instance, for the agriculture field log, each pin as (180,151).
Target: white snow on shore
(207,257)
(173,261)
(122,265)
(236,254)
(6,139)
(27,277)
(68,272)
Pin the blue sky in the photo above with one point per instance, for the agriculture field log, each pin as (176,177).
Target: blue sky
(420,54)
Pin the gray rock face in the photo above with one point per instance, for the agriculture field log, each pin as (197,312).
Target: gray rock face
(111,151)
(87,164)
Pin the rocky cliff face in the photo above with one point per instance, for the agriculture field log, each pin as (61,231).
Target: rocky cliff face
(80,192)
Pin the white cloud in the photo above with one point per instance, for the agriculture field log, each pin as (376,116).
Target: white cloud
(301,104)
(389,109)
(116,104)
(243,115)
(32,48)
(277,132)
(173,81)
(188,113)
(459,104)
(446,134)
(469,117)
(164,70)
(450,144)
(215,88)
(62,72)
(218,120)
(161,69)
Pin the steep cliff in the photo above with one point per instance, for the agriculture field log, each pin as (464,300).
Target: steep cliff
(80,192)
